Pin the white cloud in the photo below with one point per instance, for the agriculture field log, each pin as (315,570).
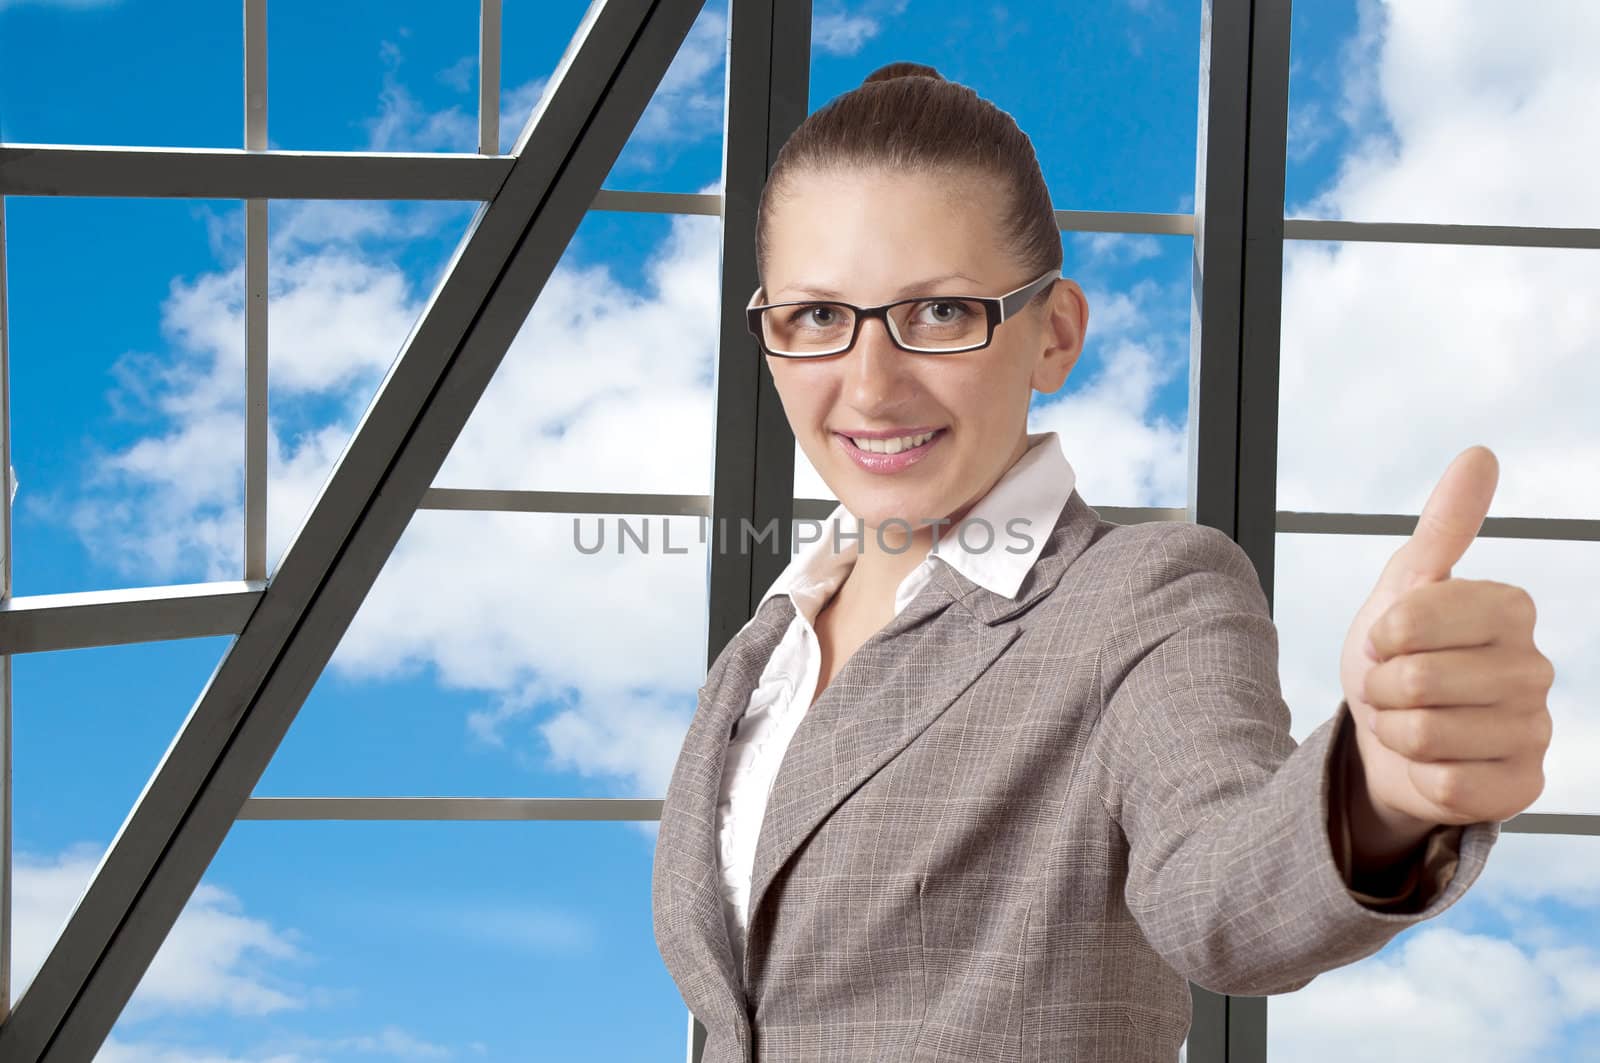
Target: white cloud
(839,32)
(118,1050)
(220,960)
(213,960)
(1309,129)
(389,1043)
(1468,113)
(1429,996)
(842,34)
(460,75)
(1104,249)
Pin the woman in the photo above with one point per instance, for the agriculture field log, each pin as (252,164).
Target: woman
(1036,772)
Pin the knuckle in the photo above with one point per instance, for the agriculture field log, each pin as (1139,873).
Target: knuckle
(1522,607)
(1448,785)
(1405,626)
(1419,739)
(1544,729)
(1544,673)
(1413,679)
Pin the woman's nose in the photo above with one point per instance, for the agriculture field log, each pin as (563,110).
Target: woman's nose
(874,364)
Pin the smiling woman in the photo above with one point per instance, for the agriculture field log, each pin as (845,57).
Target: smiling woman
(955,795)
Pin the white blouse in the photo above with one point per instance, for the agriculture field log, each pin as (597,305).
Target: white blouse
(1036,489)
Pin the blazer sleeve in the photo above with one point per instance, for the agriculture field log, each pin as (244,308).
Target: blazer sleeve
(1231,873)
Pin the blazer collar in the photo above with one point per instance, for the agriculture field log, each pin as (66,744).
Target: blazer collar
(957,629)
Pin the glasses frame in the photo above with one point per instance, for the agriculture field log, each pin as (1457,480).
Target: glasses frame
(997,309)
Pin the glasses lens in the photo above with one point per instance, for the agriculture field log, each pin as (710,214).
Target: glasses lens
(941,324)
(807,328)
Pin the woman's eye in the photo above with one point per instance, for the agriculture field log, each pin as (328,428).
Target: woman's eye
(945,313)
(818,316)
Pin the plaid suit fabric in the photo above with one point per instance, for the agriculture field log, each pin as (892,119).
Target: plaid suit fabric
(1016,828)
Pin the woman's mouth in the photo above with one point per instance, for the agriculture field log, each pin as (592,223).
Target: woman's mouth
(891,454)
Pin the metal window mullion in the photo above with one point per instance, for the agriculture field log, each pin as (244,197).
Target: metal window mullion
(1256,457)
(1215,302)
(766,87)
(233,173)
(640,810)
(1120,221)
(255,303)
(753,449)
(1233,405)
(45,622)
(489,77)
(1439,233)
(6,781)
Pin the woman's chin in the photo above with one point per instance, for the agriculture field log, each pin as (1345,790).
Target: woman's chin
(878,511)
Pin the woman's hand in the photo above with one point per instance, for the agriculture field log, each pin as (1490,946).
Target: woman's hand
(1446,687)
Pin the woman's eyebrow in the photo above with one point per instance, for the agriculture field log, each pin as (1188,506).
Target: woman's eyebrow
(914,286)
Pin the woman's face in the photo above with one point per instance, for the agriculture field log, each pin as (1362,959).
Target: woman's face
(873,237)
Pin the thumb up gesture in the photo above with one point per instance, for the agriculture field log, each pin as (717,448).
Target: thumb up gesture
(1446,688)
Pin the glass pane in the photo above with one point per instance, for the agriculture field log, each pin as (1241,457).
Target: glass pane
(347,282)
(1506,974)
(1123,413)
(1111,113)
(1465,114)
(534,37)
(1322,581)
(128,420)
(607,386)
(677,144)
(394,76)
(511,655)
(143,72)
(1396,357)
(90,727)
(351,942)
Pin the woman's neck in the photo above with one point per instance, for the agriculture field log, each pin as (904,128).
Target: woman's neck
(887,553)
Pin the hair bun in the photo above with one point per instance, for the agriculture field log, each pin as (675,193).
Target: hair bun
(903,70)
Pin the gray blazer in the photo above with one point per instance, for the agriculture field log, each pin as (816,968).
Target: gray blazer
(1015,829)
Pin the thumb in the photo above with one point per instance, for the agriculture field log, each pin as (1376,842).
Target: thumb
(1452,516)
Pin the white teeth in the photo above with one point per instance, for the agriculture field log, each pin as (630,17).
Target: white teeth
(892,446)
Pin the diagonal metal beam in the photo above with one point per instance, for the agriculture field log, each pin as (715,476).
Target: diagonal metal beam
(611,68)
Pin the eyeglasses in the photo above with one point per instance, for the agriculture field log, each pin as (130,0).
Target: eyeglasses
(925,324)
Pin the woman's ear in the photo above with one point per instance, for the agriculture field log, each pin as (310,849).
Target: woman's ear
(1065,316)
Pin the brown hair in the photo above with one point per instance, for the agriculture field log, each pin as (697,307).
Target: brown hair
(907,117)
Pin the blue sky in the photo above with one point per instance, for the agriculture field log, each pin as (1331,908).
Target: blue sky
(483,664)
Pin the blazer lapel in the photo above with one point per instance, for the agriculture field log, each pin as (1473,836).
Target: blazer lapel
(886,694)
(687,886)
